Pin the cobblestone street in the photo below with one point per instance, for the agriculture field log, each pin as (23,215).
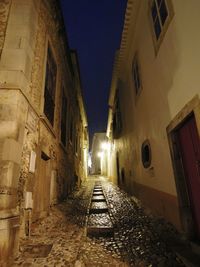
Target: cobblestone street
(61,239)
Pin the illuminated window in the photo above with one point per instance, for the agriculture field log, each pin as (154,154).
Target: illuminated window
(161,14)
(50,87)
(136,76)
(64,119)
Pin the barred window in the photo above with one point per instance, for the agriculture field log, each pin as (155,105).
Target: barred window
(50,87)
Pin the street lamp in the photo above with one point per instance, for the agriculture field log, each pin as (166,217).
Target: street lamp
(100,154)
(105,146)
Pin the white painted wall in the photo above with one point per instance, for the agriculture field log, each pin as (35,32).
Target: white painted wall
(170,79)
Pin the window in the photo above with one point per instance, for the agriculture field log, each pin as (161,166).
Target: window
(79,147)
(146,154)
(161,14)
(117,119)
(50,87)
(76,143)
(122,175)
(71,129)
(64,119)
(85,134)
(136,76)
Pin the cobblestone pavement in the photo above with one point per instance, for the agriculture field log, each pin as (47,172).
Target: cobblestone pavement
(60,239)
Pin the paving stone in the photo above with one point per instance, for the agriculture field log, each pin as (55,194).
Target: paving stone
(98,209)
(102,219)
(139,239)
(98,205)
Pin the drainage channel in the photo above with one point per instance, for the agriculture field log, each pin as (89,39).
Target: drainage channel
(98,220)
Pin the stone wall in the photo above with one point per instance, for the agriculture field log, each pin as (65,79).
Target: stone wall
(36,169)
(12,126)
(4,13)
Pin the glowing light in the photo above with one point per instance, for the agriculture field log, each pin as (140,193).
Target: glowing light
(100,154)
(89,161)
(105,145)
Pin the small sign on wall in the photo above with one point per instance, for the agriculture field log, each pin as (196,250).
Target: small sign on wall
(32,162)
(28,200)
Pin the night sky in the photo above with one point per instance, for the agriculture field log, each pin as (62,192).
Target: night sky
(94,29)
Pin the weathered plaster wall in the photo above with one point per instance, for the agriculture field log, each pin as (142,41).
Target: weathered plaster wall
(170,79)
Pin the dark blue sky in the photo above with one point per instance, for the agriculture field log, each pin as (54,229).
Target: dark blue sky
(94,29)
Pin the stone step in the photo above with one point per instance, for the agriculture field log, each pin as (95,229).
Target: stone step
(98,190)
(98,187)
(99,220)
(98,194)
(100,225)
(96,211)
(98,207)
(98,199)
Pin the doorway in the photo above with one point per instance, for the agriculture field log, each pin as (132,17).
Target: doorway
(42,188)
(187,146)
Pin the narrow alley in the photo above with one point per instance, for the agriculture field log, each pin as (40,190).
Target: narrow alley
(99,133)
(61,239)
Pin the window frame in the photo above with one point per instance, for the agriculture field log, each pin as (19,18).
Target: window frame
(146,162)
(117,124)
(138,90)
(76,142)
(64,97)
(71,128)
(52,92)
(158,41)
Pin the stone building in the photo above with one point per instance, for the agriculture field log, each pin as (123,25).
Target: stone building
(154,110)
(98,155)
(43,124)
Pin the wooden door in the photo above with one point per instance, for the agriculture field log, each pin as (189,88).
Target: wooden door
(42,190)
(190,152)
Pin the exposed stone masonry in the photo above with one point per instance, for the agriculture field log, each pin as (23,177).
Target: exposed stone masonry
(4,12)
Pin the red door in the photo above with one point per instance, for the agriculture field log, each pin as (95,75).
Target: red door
(190,150)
